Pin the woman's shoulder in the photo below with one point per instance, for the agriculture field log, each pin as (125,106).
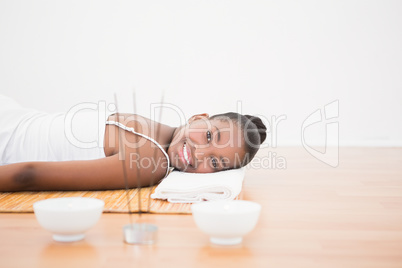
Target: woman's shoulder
(155,130)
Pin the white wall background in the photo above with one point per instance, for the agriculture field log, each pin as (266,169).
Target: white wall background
(276,57)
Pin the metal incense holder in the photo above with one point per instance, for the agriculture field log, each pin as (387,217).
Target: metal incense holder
(140,233)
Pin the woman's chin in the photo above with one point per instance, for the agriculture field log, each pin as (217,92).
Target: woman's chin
(184,169)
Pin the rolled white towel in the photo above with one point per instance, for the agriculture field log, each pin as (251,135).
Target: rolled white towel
(183,187)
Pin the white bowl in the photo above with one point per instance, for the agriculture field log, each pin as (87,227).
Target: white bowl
(68,218)
(226,222)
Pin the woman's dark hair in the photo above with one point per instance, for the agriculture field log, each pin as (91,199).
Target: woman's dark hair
(253,129)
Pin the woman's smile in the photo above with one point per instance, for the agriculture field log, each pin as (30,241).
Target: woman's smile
(185,155)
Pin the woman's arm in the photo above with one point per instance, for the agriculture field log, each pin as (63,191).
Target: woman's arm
(100,174)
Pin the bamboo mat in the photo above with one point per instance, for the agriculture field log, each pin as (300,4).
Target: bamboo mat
(115,201)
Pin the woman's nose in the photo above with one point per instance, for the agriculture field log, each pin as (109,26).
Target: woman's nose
(201,153)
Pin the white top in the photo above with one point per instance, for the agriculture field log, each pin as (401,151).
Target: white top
(30,135)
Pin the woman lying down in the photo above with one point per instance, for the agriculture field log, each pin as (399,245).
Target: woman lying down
(82,151)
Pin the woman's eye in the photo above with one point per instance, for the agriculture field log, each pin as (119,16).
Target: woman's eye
(209,136)
(214,163)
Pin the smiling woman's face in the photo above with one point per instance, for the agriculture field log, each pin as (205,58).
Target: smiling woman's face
(206,145)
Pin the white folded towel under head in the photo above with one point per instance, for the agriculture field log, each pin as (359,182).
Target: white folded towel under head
(184,187)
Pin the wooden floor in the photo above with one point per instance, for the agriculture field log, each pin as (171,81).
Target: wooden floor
(313,215)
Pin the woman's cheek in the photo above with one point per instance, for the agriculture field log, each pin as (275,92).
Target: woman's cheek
(197,136)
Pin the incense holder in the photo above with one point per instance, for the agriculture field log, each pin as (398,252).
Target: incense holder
(140,233)
(226,222)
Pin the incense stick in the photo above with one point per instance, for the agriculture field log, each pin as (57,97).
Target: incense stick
(138,166)
(122,151)
(156,150)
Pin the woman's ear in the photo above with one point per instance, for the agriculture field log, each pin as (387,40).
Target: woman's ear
(197,117)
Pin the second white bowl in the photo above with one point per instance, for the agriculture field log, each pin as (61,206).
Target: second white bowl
(226,222)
